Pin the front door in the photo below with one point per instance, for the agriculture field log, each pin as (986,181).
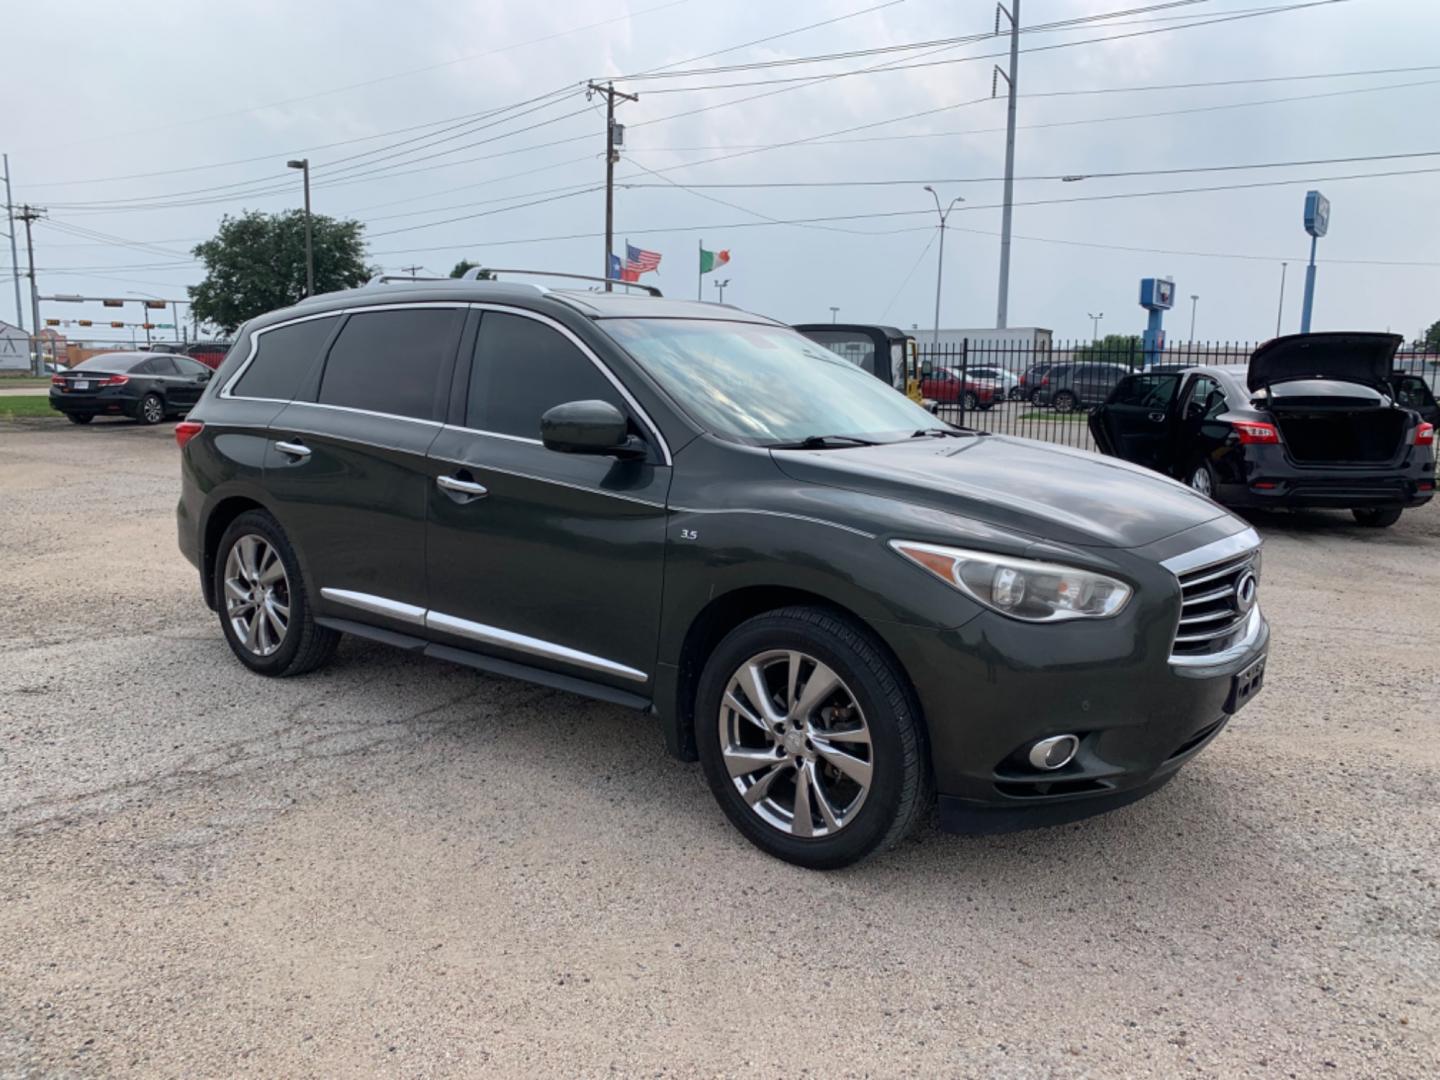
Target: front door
(1134,423)
(550,559)
(189,384)
(347,466)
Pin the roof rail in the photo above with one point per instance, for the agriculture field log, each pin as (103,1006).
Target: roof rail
(385,279)
(473,274)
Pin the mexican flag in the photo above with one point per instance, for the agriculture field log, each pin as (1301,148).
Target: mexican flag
(711,260)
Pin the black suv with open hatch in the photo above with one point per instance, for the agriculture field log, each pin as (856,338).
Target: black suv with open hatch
(841,606)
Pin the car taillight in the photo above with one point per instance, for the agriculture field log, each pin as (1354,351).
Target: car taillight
(1425,435)
(115,380)
(57,380)
(187,430)
(1045,381)
(1251,432)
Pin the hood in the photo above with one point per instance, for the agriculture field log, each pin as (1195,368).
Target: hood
(1354,356)
(1039,489)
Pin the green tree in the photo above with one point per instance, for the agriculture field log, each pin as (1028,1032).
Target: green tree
(1111,349)
(464,265)
(1432,336)
(256,263)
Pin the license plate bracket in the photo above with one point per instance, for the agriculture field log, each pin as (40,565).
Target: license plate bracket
(1245,684)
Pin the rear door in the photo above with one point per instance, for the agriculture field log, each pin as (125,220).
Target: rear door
(1135,423)
(551,559)
(346,461)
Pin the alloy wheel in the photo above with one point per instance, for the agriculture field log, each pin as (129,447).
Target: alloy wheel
(1200,481)
(257,594)
(153,409)
(795,743)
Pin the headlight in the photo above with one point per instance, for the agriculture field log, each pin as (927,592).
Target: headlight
(1021,588)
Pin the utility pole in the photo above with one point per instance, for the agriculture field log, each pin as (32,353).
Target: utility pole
(303,164)
(1194,299)
(1280,310)
(29,214)
(14,258)
(411,269)
(614,137)
(1002,311)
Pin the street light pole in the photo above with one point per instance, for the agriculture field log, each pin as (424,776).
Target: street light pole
(940,261)
(1280,308)
(720,288)
(834,314)
(303,164)
(1194,299)
(1094,324)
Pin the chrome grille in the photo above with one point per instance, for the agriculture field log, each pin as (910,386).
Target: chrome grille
(1211,615)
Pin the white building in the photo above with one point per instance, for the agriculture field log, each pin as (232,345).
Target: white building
(14,348)
(1024,338)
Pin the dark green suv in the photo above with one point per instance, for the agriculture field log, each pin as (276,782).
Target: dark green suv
(838,605)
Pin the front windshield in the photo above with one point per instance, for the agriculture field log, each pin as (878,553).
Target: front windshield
(765,384)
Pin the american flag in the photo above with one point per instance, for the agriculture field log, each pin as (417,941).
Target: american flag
(640,260)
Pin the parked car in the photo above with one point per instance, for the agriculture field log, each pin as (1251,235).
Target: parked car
(1069,387)
(833,601)
(948,386)
(146,386)
(1007,381)
(1029,383)
(1313,420)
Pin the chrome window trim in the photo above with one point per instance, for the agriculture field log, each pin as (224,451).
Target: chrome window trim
(776,513)
(367,412)
(492,434)
(599,364)
(547,480)
(376,605)
(1241,543)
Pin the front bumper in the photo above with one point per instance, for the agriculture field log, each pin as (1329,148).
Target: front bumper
(1139,718)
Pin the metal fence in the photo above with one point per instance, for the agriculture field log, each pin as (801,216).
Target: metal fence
(1047,391)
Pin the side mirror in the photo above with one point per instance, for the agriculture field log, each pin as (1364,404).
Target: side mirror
(589,427)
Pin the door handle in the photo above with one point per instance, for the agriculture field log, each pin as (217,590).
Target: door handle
(294,449)
(1156,417)
(461,487)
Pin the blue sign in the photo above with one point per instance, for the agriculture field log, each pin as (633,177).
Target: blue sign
(1317,213)
(1157,294)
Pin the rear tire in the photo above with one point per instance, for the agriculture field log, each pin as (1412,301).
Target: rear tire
(151,410)
(1065,402)
(1376,518)
(970,402)
(1202,479)
(248,581)
(79,418)
(864,787)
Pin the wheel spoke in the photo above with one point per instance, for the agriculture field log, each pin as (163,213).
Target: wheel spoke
(819,686)
(752,680)
(272,570)
(234,590)
(849,764)
(248,554)
(277,627)
(240,608)
(802,824)
(745,713)
(792,678)
(827,812)
(742,761)
(283,610)
(253,631)
(758,790)
(860,734)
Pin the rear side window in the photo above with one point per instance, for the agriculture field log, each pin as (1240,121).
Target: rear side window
(1146,391)
(391,361)
(285,358)
(189,367)
(522,368)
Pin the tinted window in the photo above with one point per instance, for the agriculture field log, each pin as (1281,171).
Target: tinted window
(285,359)
(1146,391)
(390,361)
(522,368)
(189,367)
(106,362)
(1412,392)
(158,365)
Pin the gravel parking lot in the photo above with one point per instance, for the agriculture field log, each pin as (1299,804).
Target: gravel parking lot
(396,866)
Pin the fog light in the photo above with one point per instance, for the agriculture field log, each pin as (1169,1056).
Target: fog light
(1055,752)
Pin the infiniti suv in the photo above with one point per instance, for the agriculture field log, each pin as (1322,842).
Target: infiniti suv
(841,607)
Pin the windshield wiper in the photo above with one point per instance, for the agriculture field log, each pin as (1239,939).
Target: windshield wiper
(824,442)
(941,433)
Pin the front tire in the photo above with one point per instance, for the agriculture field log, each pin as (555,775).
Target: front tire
(1376,518)
(809,739)
(1202,479)
(1065,402)
(151,410)
(264,600)
(970,402)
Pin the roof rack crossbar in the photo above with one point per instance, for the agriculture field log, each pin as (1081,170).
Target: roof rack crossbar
(473,274)
(385,279)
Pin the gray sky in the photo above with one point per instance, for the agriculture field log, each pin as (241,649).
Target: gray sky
(99,90)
